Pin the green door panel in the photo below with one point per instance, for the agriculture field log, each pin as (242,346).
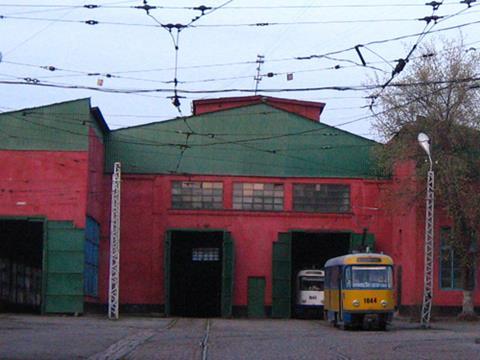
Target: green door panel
(64,284)
(281,276)
(228,265)
(63,304)
(64,267)
(256,296)
(166,270)
(65,261)
(356,241)
(64,239)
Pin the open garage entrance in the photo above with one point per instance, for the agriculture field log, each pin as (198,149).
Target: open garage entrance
(311,250)
(199,273)
(21,258)
(295,250)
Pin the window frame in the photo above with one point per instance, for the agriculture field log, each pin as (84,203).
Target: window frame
(259,199)
(299,205)
(200,194)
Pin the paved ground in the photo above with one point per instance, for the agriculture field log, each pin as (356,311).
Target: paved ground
(88,337)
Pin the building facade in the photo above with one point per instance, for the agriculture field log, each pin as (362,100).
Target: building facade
(219,210)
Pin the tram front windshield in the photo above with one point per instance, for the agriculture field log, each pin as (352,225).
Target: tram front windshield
(372,277)
(311,284)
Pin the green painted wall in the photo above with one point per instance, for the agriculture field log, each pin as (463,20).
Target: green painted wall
(253,140)
(63,268)
(63,126)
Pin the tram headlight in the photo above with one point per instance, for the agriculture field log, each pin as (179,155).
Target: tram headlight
(356,303)
(384,303)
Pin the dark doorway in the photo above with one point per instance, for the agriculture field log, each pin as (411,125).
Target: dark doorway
(21,257)
(311,250)
(196,273)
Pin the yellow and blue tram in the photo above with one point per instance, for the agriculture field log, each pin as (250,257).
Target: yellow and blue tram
(359,290)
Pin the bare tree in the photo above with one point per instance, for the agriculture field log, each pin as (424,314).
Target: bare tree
(438,93)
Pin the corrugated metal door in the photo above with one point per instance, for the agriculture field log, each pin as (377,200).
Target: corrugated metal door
(228,265)
(64,268)
(256,296)
(281,276)
(166,270)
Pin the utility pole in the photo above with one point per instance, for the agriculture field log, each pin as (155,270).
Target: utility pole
(258,77)
(114,281)
(424,141)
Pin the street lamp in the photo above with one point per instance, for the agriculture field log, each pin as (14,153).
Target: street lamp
(424,142)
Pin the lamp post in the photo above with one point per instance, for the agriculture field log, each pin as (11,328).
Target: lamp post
(424,142)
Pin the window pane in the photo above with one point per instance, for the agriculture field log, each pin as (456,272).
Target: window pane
(258,196)
(197,195)
(325,198)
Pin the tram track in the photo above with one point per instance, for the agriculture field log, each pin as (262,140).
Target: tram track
(205,339)
(122,348)
(128,346)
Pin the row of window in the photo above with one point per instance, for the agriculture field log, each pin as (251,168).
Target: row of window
(325,198)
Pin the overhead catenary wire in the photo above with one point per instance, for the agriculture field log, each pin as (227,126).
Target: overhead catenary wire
(191,132)
(242,142)
(205,79)
(93,6)
(36,82)
(327,55)
(431,22)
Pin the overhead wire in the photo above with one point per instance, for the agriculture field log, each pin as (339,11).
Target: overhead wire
(276,136)
(309,57)
(431,22)
(243,141)
(342,90)
(180,145)
(163,7)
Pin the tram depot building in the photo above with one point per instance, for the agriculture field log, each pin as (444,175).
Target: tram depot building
(219,210)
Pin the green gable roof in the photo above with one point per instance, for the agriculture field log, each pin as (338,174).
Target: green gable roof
(63,126)
(256,140)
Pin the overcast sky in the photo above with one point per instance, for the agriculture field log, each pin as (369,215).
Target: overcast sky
(217,52)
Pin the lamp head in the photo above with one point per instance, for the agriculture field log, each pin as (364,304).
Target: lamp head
(424,142)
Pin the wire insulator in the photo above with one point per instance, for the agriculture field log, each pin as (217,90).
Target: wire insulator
(176,101)
(434,4)
(429,19)
(468,2)
(202,8)
(400,66)
(91,22)
(31,80)
(91,6)
(146,7)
